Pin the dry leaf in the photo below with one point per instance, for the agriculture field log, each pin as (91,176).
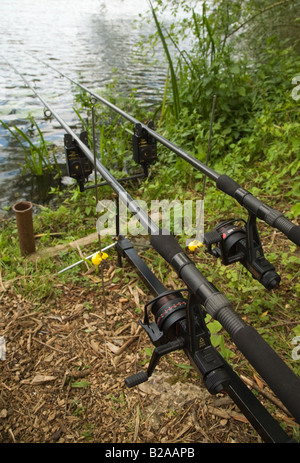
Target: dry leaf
(95,346)
(41,379)
(3,413)
(264,314)
(258,381)
(136,297)
(112,347)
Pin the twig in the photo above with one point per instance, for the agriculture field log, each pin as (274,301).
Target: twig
(227,414)
(126,344)
(81,255)
(54,250)
(197,425)
(12,435)
(266,394)
(74,315)
(137,424)
(258,14)
(50,347)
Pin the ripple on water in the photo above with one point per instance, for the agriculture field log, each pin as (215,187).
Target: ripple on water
(91,40)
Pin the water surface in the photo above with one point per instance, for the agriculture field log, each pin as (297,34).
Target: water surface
(93,41)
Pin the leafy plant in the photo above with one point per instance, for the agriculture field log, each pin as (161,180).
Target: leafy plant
(217,337)
(253,91)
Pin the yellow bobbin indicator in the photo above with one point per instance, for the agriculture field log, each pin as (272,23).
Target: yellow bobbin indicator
(99,257)
(193,245)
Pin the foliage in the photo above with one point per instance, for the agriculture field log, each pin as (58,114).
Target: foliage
(37,155)
(255,112)
(217,338)
(261,19)
(255,133)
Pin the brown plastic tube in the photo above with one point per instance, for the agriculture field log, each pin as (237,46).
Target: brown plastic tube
(23,212)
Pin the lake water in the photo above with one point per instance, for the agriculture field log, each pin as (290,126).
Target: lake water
(94,40)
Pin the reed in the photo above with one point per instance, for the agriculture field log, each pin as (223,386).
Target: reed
(175,90)
(37,155)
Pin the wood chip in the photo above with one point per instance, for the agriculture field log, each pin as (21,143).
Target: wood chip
(3,413)
(39,379)
(226,414)
(95,346)
(112,347)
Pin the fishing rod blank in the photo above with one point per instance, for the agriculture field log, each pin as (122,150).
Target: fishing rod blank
(131,204)
(223,182)
(195,162)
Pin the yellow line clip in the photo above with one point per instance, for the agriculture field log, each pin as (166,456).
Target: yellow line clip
(99,257)
(193,245)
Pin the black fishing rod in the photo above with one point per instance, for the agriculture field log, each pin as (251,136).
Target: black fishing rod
(223,182)
(132,205)
(203,296)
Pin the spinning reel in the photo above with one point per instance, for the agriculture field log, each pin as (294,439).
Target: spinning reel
(242,244)
(179,324)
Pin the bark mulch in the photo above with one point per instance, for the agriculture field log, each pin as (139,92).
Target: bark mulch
(62,379)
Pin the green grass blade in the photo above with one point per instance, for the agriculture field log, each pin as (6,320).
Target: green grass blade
(197,30)
(173,75)
(26,138)
(81,119)
(209,31)
(43,143)
(56,164)
(14,135)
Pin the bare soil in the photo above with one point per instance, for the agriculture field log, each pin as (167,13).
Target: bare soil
(62,379)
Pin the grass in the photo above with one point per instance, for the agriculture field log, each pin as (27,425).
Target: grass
(176,99)
(76,218)
(37,155)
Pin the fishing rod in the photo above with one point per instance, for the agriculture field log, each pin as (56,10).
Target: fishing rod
(253,205)
(180,325)
(132,205)
(234,240)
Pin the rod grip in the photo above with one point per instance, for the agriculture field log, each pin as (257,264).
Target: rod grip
(272,217)
(281,379)
(165,244)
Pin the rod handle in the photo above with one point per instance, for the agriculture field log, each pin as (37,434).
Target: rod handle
(254,205)
(281,379)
